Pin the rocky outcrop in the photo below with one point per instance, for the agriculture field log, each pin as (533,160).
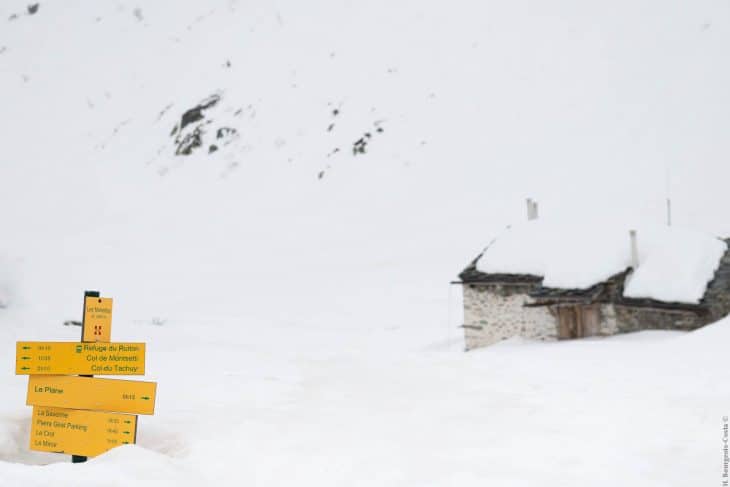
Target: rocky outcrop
(196,129)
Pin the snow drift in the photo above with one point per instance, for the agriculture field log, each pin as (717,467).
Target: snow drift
(675,264)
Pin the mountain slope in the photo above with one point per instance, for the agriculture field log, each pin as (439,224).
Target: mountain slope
(367,152)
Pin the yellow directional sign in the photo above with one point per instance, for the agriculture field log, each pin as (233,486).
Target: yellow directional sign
(74,432)
(67,391)
(97,319)
(55,358)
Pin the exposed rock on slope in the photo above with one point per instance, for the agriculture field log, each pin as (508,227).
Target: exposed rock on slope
(193,130)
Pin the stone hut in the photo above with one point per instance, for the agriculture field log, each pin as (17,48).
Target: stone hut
(500,305)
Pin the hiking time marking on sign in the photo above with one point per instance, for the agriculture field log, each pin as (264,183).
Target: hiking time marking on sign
(113,395)
(88,433)
(59,358)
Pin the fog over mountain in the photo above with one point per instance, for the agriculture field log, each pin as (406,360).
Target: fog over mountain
(284,191)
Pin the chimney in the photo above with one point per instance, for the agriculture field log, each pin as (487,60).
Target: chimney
(669,212)
(634,250)
(531,209)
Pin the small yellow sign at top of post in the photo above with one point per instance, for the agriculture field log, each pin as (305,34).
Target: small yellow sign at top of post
(97,323)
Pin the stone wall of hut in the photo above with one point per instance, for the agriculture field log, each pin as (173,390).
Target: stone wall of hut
(495,312)
(630,318)
(717,295)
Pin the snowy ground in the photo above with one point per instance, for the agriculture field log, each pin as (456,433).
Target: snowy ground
(302,329)
(280,407)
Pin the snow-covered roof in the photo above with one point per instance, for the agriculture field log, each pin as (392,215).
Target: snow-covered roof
(675,264)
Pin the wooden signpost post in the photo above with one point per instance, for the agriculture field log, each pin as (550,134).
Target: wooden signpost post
(73,412)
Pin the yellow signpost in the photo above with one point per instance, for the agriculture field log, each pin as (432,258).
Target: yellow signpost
(67,391)
(52,358)
(87,433)
(97,322)
(73,412)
